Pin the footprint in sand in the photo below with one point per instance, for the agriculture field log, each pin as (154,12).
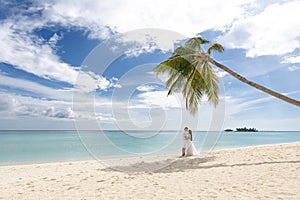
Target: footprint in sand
(70,188)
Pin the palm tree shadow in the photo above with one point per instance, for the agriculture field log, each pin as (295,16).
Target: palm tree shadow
(172,165)
(180,165)
(169,165)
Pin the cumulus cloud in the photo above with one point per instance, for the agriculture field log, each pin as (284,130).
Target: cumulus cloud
(136,42)
(256,32)
(103,18)
(21,48)
(16,106)
(88,82)
(158,98)
(24,110)
(145,88)
(291,59)
(5,102)
(274,31)
(32,55)
(186,17)
(55,103)
(39,59)
(64,113)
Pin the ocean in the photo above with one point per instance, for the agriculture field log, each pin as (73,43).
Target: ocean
(23,147)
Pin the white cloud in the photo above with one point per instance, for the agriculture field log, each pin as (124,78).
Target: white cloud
(52,112)
(291,59)
(59,105)
(293,68)
(136,42)
(24,50)
(145,88)
(46,92)
(54,39)
(157,98)
(6,102)
(88,81)
(33,55)
(20,48)
(18,106)
(258,34)
(30,54)
(186,17)
(221,74)
(274,31)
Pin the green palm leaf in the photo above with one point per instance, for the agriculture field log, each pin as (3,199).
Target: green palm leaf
(190,73)
(215,47)
(195,44)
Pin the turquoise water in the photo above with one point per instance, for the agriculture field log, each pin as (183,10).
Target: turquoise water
(52,146)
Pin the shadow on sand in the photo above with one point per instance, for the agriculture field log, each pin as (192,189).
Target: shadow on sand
(172,165)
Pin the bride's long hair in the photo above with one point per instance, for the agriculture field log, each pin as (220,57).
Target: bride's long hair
(191,133)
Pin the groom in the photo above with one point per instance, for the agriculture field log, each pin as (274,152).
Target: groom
(184,140)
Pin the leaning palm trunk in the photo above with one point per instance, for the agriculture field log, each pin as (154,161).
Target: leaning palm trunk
(190,72)
(255,85)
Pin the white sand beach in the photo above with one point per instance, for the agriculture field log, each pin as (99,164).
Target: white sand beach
(266,172)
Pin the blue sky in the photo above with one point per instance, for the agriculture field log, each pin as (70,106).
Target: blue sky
(45,44)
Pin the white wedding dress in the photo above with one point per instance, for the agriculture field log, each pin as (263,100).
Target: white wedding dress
(190,148)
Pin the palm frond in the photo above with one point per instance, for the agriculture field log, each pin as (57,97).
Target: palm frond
(194,88)
(215,47)
(190,72)
(181,51)
(195,97)
(178,69)
(211,80)
(175,83)
(194,101)
(195,44)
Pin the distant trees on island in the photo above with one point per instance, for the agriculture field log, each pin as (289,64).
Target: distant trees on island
(245,129)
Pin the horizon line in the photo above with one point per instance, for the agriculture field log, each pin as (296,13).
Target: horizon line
(136,130)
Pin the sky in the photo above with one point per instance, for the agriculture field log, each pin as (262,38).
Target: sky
(51,49)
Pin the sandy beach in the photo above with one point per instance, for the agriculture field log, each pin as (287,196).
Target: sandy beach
(266,172)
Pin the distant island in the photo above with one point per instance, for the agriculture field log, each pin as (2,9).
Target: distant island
(245,129)
(228,130)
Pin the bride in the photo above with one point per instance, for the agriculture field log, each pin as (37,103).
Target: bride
(190,148)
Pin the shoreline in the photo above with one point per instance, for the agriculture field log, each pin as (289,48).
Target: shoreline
(260,145)
(146,156)
(261,172)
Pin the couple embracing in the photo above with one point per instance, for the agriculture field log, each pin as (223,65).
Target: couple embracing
(188,148)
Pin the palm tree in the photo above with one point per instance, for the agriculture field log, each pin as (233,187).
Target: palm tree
(190,71)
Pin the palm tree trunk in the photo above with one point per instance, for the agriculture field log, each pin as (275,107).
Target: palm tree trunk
(257,86)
